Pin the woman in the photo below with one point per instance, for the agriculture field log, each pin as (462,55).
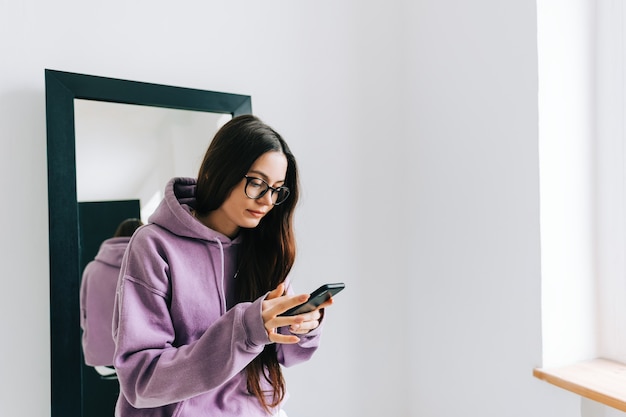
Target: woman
(97,294)
(198,328)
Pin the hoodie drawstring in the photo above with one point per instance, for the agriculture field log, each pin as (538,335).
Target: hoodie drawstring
(222,292)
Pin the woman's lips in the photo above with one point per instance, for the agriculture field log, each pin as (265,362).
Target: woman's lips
(257,214)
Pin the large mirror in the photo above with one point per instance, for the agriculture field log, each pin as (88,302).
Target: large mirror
(110,140)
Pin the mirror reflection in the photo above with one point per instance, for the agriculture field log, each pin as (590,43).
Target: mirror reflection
(126,151)
(97,289)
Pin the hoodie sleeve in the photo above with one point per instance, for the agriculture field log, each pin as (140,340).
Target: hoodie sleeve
(153,371)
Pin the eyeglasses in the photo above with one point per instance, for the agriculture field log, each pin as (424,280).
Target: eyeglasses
(256,188)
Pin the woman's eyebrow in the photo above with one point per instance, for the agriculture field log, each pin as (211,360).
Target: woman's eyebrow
(263,176)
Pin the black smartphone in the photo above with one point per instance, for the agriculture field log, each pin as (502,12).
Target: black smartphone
(316,298)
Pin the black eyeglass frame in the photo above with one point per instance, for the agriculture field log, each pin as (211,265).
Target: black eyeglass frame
(275,191)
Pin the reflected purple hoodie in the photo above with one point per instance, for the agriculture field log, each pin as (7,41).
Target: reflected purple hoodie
(181,344)
(97,295)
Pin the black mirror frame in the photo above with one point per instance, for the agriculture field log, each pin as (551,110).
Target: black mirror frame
(61,90)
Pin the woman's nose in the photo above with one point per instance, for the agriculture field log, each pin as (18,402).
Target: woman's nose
(266,199)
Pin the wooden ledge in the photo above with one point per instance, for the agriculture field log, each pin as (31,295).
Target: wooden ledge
(601,380)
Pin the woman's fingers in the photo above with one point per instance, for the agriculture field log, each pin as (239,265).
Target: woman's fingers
(304,327)
(282,321)
(276,292)
(286,339)
(310,321)
(325,304)
(275,304)
(278,305)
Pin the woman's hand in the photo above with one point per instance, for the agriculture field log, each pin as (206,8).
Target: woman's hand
(276,303)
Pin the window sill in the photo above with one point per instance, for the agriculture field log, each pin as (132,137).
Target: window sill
(601,380)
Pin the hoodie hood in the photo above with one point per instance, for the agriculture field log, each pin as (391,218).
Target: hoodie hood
(174,213)
(112,250)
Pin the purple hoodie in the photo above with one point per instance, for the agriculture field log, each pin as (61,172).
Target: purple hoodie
(181,346)
(97,295)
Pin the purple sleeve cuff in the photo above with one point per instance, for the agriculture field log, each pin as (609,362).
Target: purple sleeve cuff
(253,323)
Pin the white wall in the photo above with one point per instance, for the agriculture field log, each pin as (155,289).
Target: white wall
(415,124)
(476,266)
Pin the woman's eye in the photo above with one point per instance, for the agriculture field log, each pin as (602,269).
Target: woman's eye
(256,183)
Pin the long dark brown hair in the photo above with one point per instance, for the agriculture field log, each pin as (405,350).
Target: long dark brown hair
(267,251)
(127,227)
